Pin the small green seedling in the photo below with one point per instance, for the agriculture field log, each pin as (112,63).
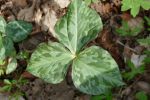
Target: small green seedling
(147,58)
(148,21)
(135,6)
(14,31)
(141,95)
(126,30)
(146,41)
(106,96)
(23,55)
(13,85)
(94,71)
(134,70)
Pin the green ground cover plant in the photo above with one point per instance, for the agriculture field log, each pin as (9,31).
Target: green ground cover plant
(134,70)
(94,71)
(135,5)
(10,85)
(126,30)
(10,33)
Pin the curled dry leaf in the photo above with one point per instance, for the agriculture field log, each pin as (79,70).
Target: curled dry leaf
(27,13)
(38,16)
(49,21)
(137,59)
(62,3)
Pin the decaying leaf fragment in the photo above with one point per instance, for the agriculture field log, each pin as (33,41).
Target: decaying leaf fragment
(27,14)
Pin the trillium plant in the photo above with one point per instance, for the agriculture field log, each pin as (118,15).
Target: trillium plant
(94,71)
(13,32)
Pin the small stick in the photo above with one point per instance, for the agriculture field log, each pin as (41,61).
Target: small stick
(127,46)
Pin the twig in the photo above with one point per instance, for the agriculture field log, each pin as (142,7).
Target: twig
(127,46)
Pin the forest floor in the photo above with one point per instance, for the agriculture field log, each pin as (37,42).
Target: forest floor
(43,14)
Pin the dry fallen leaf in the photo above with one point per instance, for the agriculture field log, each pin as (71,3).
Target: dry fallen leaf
(27,13)
(7,5)
(137,60)
(126,16)
(143,86)
(38,16)
(136,22)
(49,22)
(62,3)
(103,9)
(117,2)
(21,3)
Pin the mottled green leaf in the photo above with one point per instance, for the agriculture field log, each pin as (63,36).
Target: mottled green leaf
(2,24)
(2,49)
(95,71)
(50,62)
(88,2)
(9,47)
(79,26)
(18,30)
(12,65)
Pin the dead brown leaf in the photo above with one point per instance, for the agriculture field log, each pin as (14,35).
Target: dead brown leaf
(38,16)
(117,2)
(27,13)
(62,3)
(136,22)
(126,16)
(49,22)
(21,3)
(103,9)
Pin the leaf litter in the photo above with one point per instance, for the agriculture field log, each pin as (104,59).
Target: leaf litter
(44,15)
